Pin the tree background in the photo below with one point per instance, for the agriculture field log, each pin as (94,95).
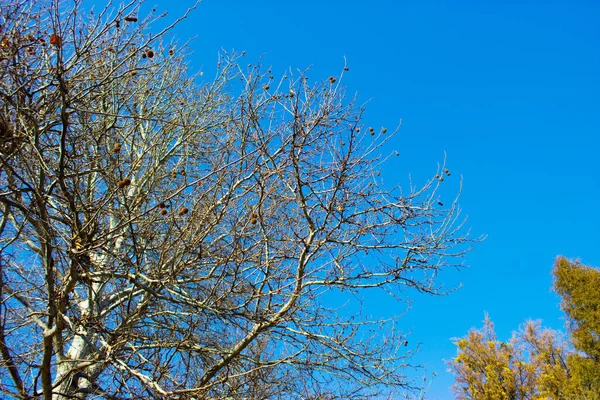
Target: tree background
(537,362)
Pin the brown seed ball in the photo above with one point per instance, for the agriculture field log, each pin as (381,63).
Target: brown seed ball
(171,52)
(343,143)
(55,40)
(131,19)
(371,129)
(163,212)
(144,55)
(162,205)
(447,172)
(183,211)
(253,221)
(331,79)
(149,53)
(346,69)
(124,183)
(383,130)
(266,87)
(357,130)
(117,148)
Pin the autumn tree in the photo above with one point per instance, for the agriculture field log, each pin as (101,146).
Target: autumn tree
(578,286)
(538,363)
(163,236)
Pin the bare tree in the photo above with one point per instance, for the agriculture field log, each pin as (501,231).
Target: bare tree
(164,237)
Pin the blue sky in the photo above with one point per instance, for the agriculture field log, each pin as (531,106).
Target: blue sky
(510,90)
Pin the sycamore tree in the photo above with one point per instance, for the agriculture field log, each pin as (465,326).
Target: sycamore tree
(164,236)
(538,363)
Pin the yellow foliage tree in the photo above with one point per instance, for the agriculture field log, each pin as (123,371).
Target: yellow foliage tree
(538,363)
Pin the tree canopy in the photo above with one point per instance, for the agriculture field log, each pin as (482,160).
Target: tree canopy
(164,236)
(538,363)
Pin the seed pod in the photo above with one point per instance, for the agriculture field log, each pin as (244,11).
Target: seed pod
(124,183)
(162,205)
(183,211)
(129,18)
(117,148)
(331,79)
(163,211)
(346,69)
(150,53)
(55,40)
(383,130)
(253,221)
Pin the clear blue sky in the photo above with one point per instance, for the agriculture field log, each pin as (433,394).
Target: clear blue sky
(510,90)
